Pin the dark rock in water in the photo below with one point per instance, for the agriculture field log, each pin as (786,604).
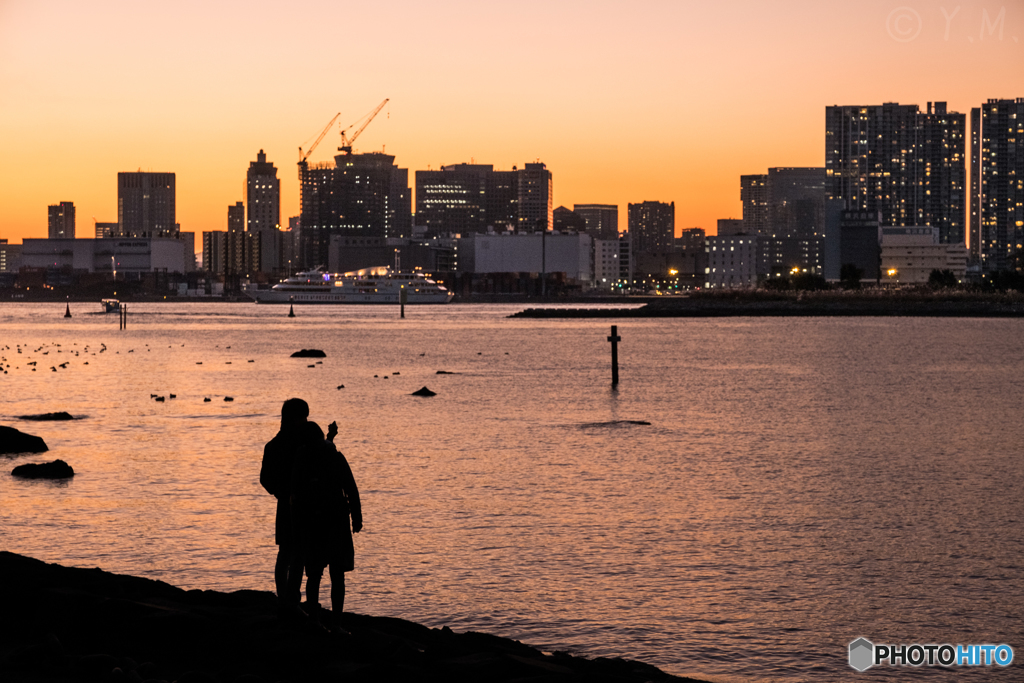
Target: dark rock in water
(47,417)
(228,398)
(309,353)
(207,399)
(310,366)
(161,399)
(341,386)
(424,392)
(396,373)
(174,396)
(58,469)
(445,372)
(14,441)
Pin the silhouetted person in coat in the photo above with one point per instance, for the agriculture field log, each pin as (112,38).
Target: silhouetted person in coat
(276,477)
(324,498)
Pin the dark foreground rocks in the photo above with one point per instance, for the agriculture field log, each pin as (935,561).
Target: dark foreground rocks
(58,469)
(64,624)
(47,417)
(309,353)
(15,441)
(423,392)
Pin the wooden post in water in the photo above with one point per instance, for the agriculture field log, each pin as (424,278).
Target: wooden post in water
(67,310)
(615,339)
(291,307)
(122,313)
(403,298)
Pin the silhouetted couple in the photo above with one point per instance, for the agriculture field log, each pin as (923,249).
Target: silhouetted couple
(316,495)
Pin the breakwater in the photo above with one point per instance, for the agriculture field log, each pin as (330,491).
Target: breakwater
(838,306)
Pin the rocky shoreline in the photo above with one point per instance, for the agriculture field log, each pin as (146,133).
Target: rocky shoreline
(67,624)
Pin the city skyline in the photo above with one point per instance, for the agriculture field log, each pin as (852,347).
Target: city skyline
(700,96)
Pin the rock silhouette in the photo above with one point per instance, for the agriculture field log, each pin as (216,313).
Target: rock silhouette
(309,353)
(58,469)
(47,417)
(423,392)
(70,624)
(15,441)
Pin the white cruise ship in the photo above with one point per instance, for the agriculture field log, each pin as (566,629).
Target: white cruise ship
(371,286)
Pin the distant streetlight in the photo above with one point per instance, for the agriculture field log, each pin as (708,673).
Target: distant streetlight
(891,272)
(673,272)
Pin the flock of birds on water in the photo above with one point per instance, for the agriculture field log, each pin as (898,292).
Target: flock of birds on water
(46,349)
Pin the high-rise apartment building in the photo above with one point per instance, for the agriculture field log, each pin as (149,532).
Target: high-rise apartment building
(754,196)
(262,195)
(360,196)
(602,220)
(998,202)
(61,220)
(894,159)
(536,200)
(146,205)
(652,226)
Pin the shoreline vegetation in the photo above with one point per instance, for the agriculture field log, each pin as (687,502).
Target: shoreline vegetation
(68,624)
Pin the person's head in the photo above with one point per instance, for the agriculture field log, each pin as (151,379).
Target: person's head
(294,413)
(312,434)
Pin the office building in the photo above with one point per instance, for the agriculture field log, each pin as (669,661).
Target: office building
(107,229)
(130,257)
(567,220)
(997,202)
(359,195)
(911,253)
(731,261)
(860,243)
(455,199)
(468,198)
(146,205)
(10,257)
(540,252)
(907,165)
(652,226)
(61,220)
(602,220)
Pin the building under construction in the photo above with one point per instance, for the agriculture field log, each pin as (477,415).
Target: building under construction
(358,197)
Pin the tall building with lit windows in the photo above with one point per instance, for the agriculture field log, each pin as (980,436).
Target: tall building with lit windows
(998,199)
(359,197)
(146,205)
(906,164)
(652,226)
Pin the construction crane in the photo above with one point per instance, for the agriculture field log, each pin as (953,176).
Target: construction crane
(303,157)
(346,142)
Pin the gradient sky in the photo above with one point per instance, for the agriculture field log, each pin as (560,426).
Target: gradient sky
(624,101)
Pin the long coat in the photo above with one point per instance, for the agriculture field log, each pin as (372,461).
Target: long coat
(276,478)
(325,499)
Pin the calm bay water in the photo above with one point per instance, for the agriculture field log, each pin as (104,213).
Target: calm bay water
(802,482)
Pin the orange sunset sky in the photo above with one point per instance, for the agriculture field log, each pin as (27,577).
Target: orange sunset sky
(624,101)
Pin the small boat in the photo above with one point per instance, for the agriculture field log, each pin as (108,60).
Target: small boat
(110,305)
